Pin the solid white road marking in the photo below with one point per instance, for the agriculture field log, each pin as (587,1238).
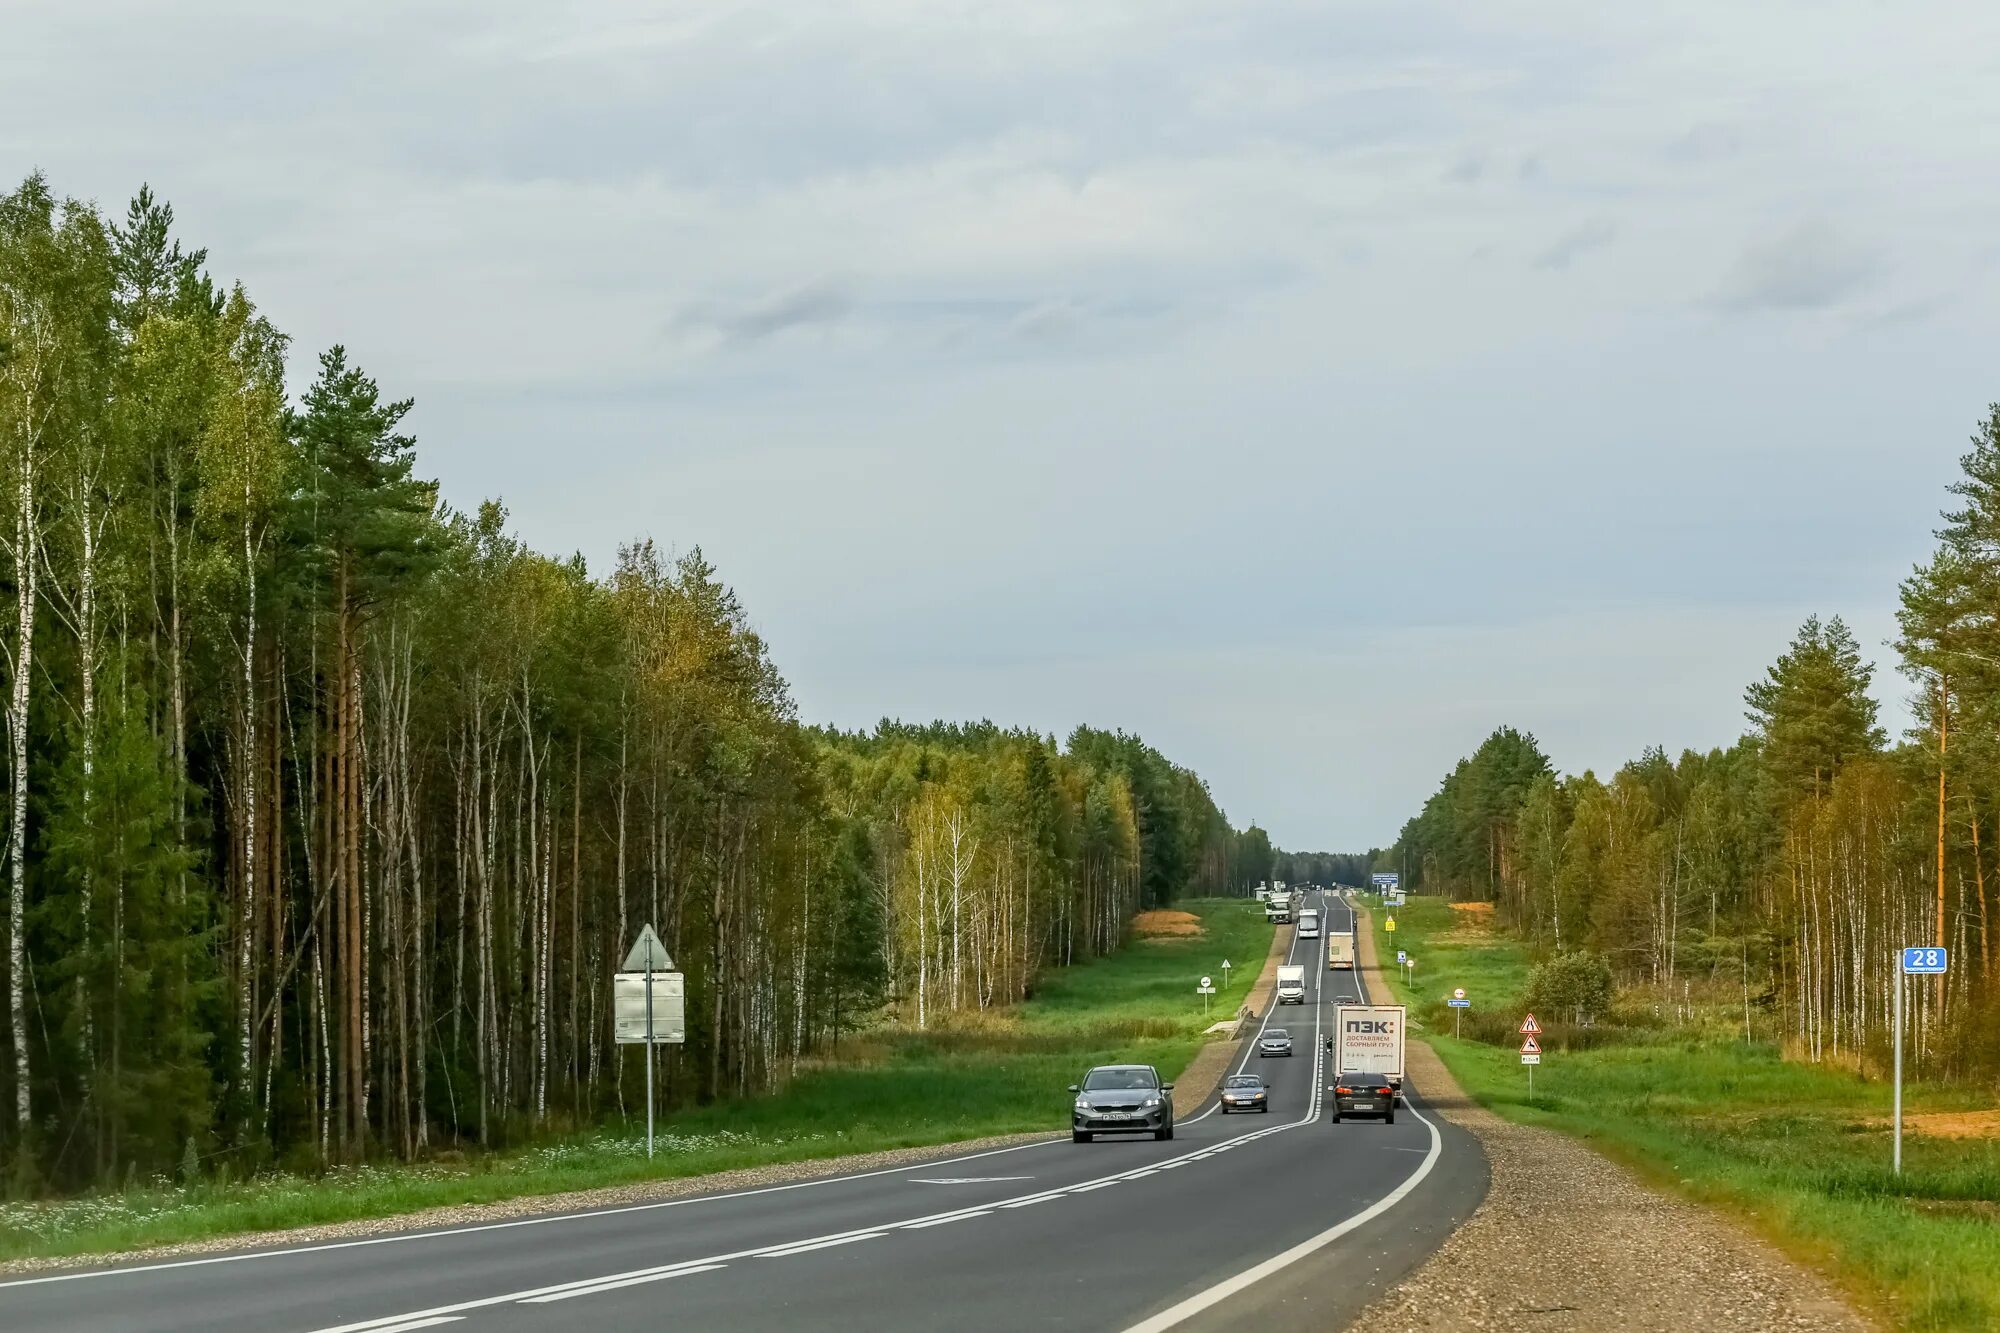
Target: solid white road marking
(602,1286)
(941,1221)
(821,1244)
(413,1326)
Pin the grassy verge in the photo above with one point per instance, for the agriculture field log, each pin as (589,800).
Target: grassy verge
(997,1072)
(1802,1152)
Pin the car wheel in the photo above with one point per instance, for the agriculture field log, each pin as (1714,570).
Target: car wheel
(1166,1131)
(1265,1108)
(1389,1116)
(1334,1119)
(1079,1136)
(1225,1110)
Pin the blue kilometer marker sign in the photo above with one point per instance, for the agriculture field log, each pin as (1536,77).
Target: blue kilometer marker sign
(1924,961)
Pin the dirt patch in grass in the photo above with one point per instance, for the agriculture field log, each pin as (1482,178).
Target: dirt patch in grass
(1477,911)
(1952,1124)
(1164,922)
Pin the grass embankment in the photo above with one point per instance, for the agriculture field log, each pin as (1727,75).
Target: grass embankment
(996,1072)
(1803,1152)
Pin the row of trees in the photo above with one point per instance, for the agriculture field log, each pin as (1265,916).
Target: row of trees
(331,810)
(1798,861)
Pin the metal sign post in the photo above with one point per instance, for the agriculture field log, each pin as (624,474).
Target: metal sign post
(1919,962)
(649,968)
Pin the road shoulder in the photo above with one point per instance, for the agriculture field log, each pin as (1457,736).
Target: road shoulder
(534,1205)
(1570,1240)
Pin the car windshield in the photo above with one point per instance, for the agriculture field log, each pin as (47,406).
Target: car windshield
(1246,1081)
(1278,1032)
(1119,1080)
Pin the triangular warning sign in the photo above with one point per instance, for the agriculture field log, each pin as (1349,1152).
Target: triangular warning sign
(1531,1047)
(1529,1025)
(648,954)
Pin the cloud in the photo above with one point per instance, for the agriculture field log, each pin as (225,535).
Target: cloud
(1578,241)
(1466,170)
(1809,267)
(815,303)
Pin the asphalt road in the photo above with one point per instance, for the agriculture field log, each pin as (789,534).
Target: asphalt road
(1284,1218)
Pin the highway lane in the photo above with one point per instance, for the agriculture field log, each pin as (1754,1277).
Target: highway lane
(1105,1235)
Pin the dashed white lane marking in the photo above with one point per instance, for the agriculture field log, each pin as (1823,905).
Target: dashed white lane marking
(602,1286)
(416,1324)
(820,1244)
(942,1221)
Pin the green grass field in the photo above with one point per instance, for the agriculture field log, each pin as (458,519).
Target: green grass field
(1802,1152)
(997,1072)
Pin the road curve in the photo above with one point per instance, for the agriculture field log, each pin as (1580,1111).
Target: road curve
(1281,1217)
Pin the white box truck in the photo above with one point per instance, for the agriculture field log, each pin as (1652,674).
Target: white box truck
(1291,985)
(1278,907)
(1309,924)
(1340,952)
(1367,1045)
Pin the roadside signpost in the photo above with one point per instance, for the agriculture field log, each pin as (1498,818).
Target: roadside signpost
(649,1006)
(1389,925)
(1457,1002)
(1205,989)
(1402,956)
(1225,974)
(1531,1050)
(1920,961)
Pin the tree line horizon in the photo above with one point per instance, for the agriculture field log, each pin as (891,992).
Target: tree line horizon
(331,809)
(1792,866)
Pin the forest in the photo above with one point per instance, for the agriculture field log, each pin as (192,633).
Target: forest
(1782,875)
(331,809)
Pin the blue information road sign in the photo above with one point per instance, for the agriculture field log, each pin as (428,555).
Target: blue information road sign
(1924,961)
(1459,1004)
(1389,878)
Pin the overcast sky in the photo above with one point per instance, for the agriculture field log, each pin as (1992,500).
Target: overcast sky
(1307,387)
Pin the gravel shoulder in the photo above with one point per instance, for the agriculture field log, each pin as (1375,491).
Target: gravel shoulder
(1569,1240)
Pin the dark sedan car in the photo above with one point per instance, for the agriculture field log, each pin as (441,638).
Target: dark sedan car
(1364,1094)
(1122,1099)
(1275,1041)
(1245,1092)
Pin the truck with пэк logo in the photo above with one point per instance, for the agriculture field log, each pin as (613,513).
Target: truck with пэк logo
(1367,1047)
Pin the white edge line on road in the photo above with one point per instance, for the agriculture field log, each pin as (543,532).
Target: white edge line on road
(130,1269)
(424,1323)
(1223,1290)
(383,1323)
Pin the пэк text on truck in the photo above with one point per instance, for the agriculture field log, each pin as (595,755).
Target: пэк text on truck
(1367,1046)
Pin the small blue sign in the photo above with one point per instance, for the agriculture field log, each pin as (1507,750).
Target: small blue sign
(1924,961)
(1459,1004)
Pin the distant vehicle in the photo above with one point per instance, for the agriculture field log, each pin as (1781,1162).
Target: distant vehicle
(1278,907)
(1245,1092)
(1122,1099)
(1291,985)
(1309,924)
(1340,952)
(1367,1048)
(1275,1041)
(1260,894)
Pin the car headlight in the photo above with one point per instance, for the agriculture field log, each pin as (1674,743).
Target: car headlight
(1150,1103)
(1082,1105)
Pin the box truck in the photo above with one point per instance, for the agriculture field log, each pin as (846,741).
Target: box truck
(1340,952)
(1291,985)
(1367,1046)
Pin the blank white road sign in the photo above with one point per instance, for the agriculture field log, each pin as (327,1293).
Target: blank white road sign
(628,1007)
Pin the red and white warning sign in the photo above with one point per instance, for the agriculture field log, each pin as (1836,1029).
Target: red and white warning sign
(1529,1026)
(1531,1047)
